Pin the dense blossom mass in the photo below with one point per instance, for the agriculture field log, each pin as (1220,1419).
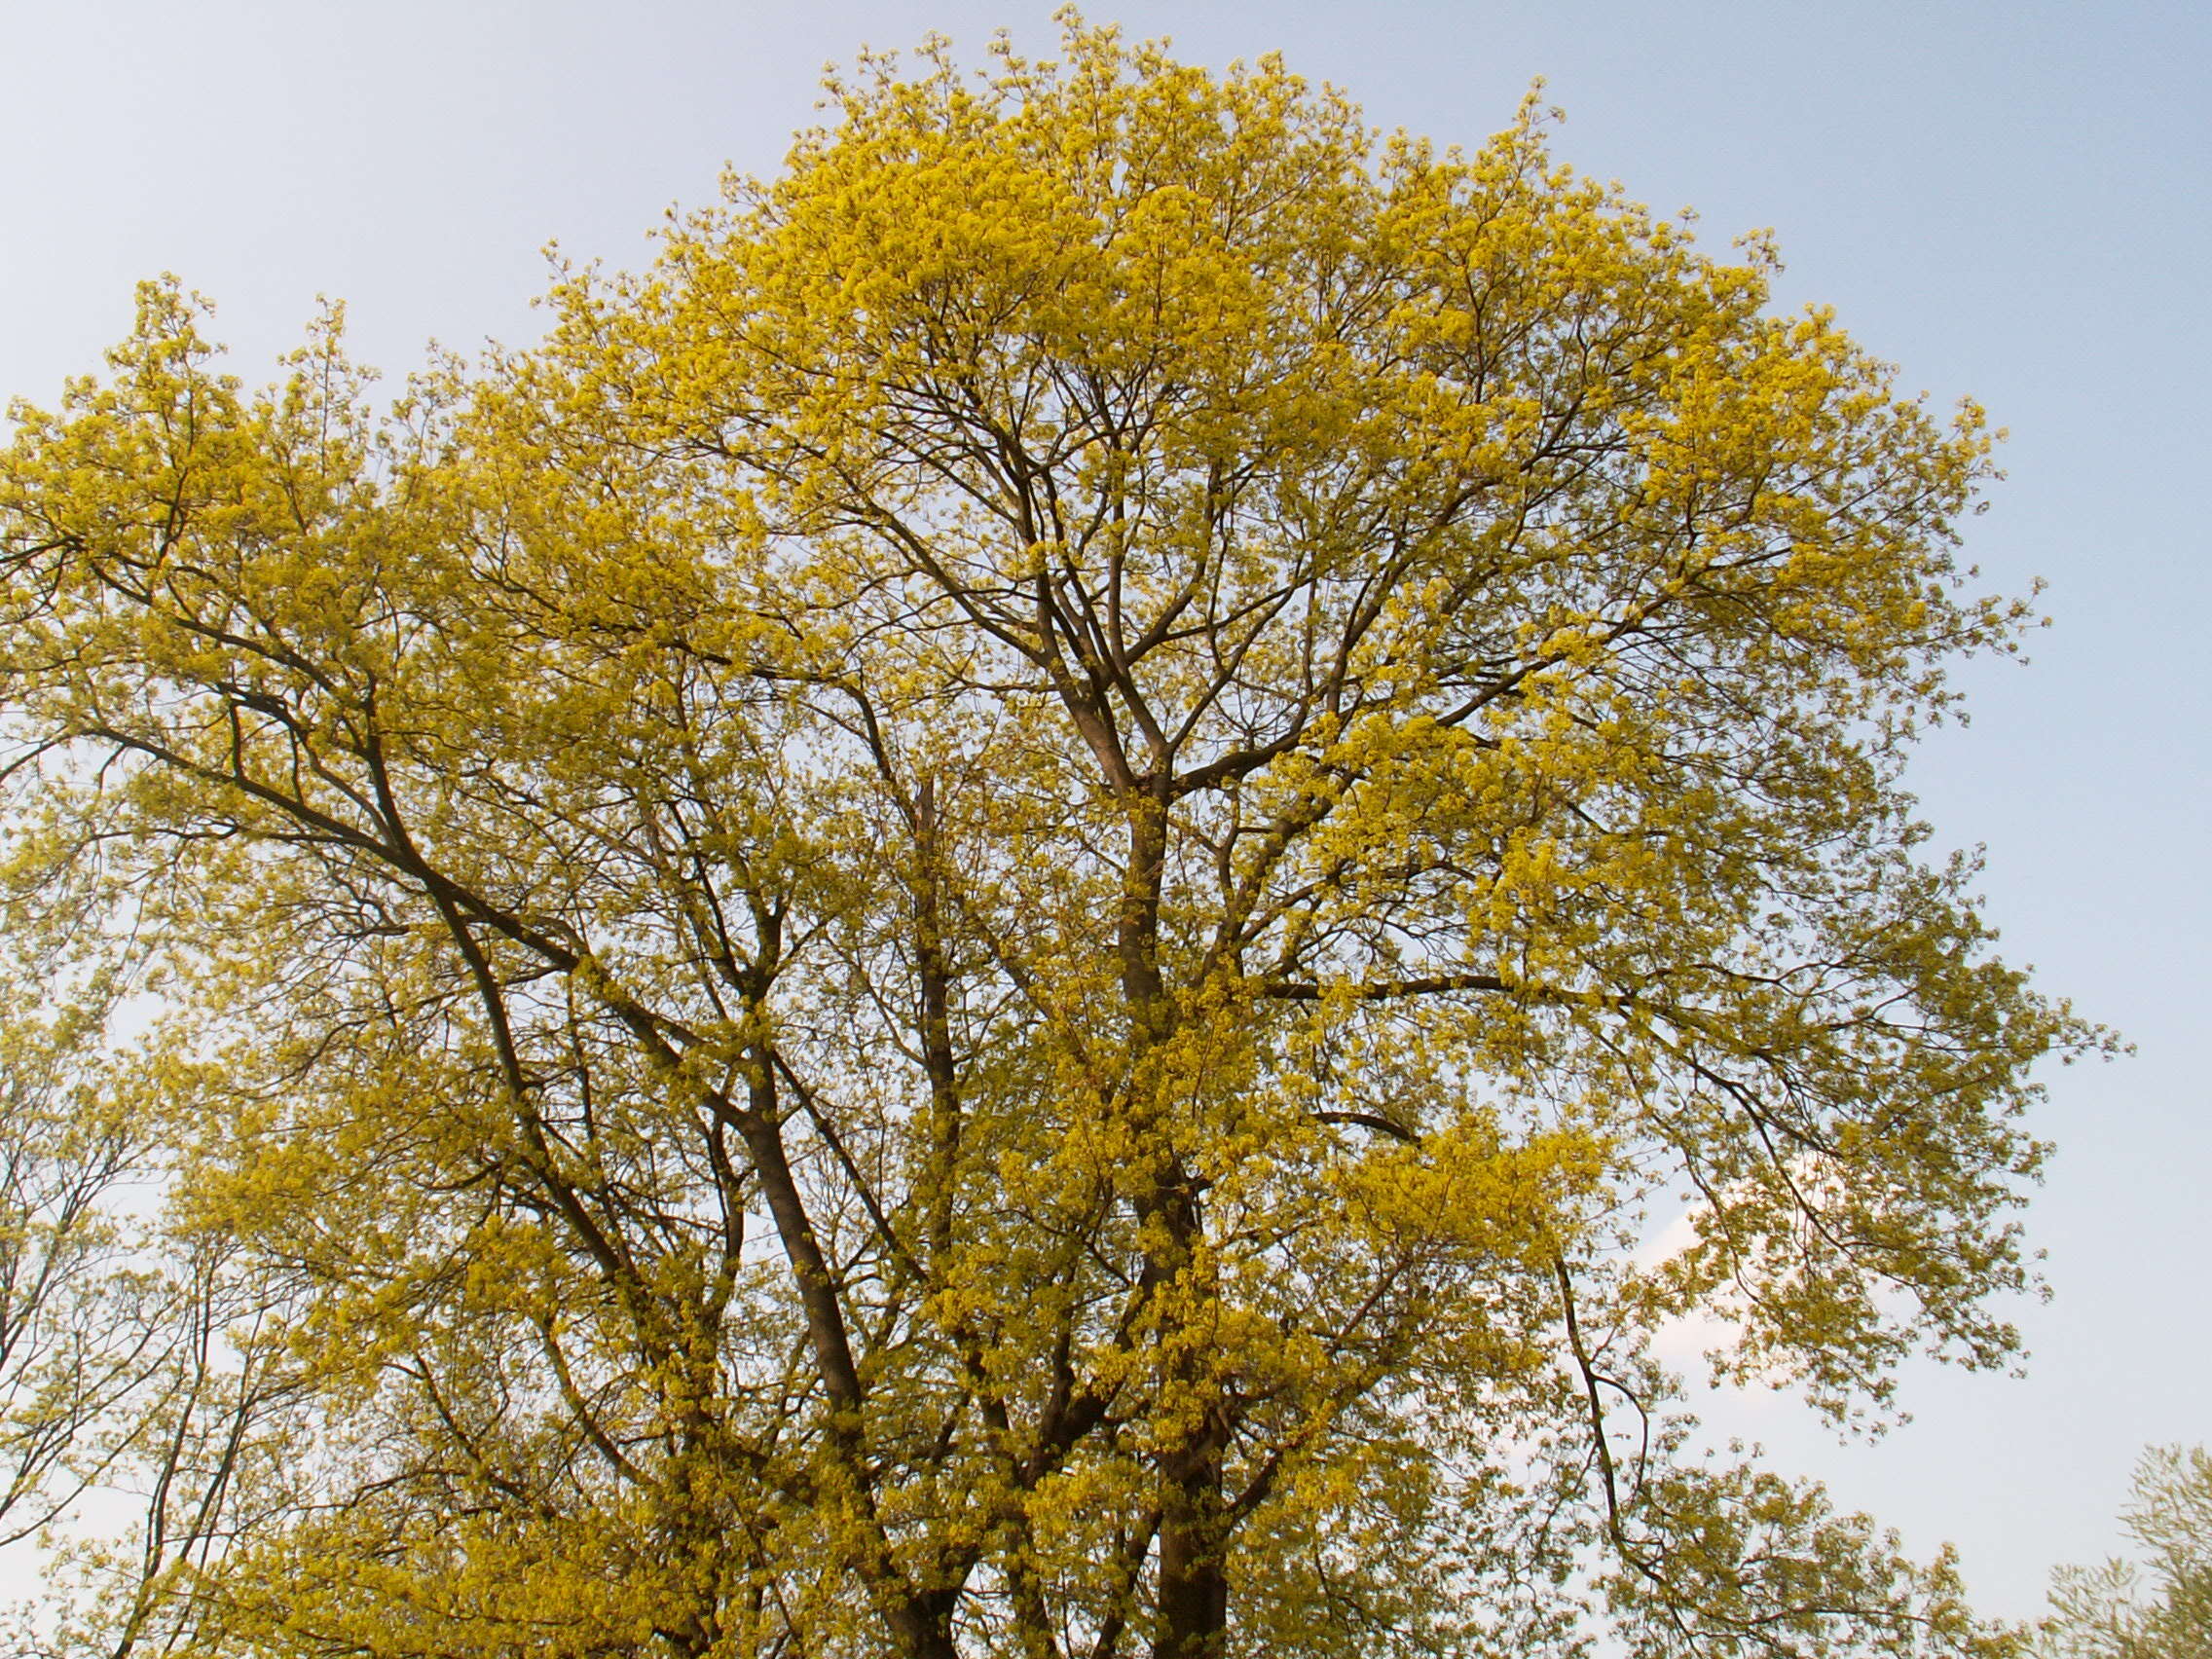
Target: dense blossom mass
(994,919)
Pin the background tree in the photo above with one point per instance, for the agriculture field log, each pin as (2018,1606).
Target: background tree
(132,1365)
(986,922)
(76,1339)
(2109,1611)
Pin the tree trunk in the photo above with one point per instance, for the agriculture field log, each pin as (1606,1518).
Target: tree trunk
(1192,1617)
(1192,1611)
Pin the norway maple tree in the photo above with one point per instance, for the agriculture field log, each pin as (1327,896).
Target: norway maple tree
(987,921)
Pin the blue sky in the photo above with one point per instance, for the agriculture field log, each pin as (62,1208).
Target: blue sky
(2007,199)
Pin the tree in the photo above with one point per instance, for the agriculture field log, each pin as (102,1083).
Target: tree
(75,1337)
(133,1357)
(2103,1613)
(985,922)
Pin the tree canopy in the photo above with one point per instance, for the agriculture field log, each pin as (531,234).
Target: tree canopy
(992,918)
(2103,1612)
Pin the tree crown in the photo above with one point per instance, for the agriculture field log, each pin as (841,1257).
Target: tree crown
(986,920)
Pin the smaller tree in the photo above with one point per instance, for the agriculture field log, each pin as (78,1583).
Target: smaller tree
(2109,1611)
(76,1340)
(138,1368)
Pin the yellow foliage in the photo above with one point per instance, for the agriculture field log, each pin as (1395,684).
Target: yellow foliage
(981,923)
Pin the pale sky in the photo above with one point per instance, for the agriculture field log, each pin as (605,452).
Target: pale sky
(2010,198)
